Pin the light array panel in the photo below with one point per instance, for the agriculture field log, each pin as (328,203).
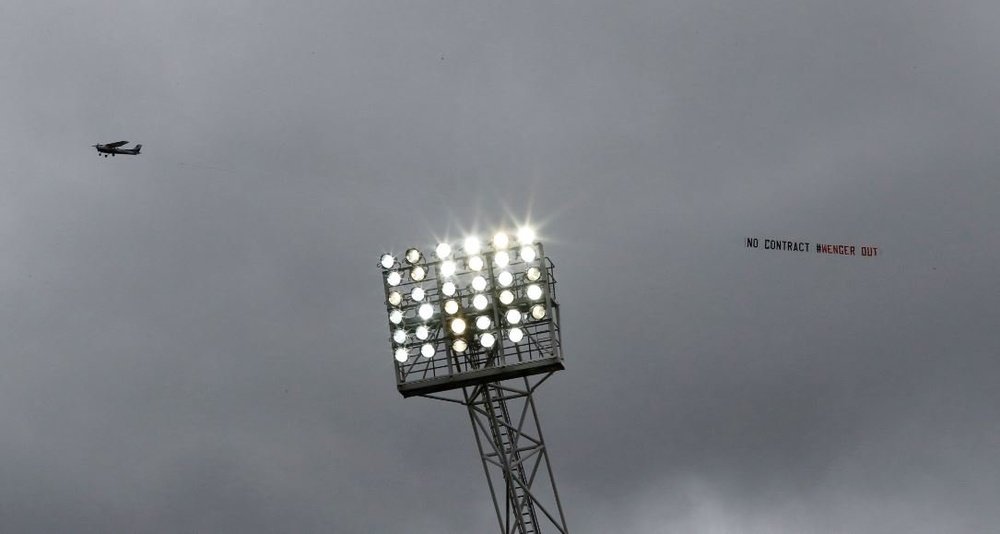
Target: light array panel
(471,312)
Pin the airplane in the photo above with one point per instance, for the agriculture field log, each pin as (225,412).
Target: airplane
(114,148)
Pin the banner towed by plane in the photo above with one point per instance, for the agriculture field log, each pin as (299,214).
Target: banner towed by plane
(867,251)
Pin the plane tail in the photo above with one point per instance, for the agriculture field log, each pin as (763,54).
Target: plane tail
(138,148)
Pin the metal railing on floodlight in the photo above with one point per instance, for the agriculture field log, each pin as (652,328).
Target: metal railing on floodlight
(482,319)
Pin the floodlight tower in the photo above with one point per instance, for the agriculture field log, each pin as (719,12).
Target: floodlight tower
(478,324)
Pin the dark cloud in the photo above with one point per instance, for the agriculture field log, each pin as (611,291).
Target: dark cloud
(193,339)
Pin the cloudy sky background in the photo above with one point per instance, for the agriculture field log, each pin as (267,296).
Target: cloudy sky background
(194,340)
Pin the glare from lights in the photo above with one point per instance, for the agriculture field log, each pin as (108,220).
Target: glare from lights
(528,253)
(394,278)
(401,355)
(487,340)
(534,292)
(476,263)
(505,278)
(427,350)
(448,288)
(483,322)
(387,261)
(422,332)
(418,273)
(395,317)
(451,307)
(480,302)
(417,294)
(395,298)
(534,273)
(443,250)
(538,311)
(399,336)
(500,240)
(525,235)
(472,245)
(501,258)
(506,297)
(459,345)
(458,325)
(412,256)
(515,335)
(513,316)
(447,268)
(479,283)
(426,311)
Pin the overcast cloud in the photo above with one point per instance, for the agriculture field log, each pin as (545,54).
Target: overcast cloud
(193,340)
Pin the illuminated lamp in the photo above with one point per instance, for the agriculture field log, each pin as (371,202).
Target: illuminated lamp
(395,298)
(399,336)
(451,307)
(505,278)
(513,316)
(506,297)
(448,288)
(447,268)
(476,263)
(525,235)
(534,273)
(387,261)
(401,355)
(472,245)
(426,311)
(395,316)
(515,335)
(528,253)
(427,350)
(479,283)
(487,340)
(500,240)
(418,273)
(443,250)
(459,345)
(422,332)
(480,302)
(394,279)
(501,258)
(412,256)
(538,311)
(483,322)
(534,292)
(417,294)
(458,326)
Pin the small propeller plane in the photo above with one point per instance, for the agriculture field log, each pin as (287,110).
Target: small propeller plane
(115,148)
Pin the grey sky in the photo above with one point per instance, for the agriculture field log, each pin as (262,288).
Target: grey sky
(193,340)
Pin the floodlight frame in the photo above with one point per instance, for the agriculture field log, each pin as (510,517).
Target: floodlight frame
(540,351)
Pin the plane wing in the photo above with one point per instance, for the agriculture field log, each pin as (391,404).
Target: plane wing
(116,145)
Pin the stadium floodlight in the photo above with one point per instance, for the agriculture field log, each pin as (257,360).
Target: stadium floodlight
(471,245)
(525,235)
(476,263)
(501,240)
(477,323)
(502,258)
(412,256)
(528,253)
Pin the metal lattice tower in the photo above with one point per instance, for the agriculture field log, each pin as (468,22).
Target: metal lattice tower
(480,327)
